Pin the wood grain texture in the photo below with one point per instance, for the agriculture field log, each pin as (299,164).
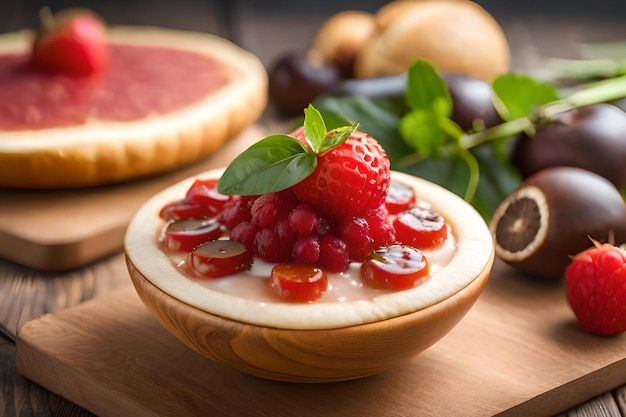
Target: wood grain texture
(28,294)
(505,358)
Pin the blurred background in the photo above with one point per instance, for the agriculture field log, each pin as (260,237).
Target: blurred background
(195,14)
(534,27)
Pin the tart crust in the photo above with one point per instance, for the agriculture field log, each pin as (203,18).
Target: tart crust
(104,152)
(473,258)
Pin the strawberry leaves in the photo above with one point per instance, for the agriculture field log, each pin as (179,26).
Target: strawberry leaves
(278,162)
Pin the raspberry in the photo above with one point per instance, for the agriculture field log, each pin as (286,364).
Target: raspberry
(333,254)
(268,246)
(245,233)
(306,250)
(235,211)
(303,219)
(286,234)
(381,226)
(596,289)
(356,233)
(349,179)
(269,209)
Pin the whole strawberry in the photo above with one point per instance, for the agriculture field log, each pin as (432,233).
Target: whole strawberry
(349,180)
(596,289)
(72,42)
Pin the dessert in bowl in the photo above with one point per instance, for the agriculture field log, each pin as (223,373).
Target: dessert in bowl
(358,324)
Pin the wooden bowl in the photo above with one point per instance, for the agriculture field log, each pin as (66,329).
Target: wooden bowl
(371,337)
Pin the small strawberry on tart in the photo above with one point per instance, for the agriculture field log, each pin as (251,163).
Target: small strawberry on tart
(316,232)
(85,104)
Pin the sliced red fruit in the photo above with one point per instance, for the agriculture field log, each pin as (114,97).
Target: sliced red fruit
(201,200)
(421,228)
(178,210)
(204,192)
(185,235)
(219,258)
(395,267)
(298,282)
(399,198)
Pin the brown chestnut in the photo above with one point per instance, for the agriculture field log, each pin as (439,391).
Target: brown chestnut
(296,79)
(552,216)
(591,137)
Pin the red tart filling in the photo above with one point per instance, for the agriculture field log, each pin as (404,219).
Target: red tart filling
(139,82)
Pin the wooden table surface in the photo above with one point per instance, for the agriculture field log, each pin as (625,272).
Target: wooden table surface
(267,30)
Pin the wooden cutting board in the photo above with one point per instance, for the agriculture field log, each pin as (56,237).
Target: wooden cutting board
(64,229)
(518,352)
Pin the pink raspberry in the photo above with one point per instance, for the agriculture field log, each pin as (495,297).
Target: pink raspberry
(303,219)
(355,232)
(235,211)
(269,209)
(333,254)
(245,233)
(306,250)
(268,246)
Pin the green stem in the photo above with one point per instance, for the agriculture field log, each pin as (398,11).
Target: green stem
(474,174)
(599,92)
(503,130)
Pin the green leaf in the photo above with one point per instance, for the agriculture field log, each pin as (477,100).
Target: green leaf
(314,128)
(273,164)
(337,136)
(426,90)
(518,95)
(423,131)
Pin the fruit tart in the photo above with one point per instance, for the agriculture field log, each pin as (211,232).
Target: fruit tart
(310,230)
(85,104)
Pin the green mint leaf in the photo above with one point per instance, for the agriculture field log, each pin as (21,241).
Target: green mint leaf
(423,131)
(273,164)
(337,136)
(426,90)
(314,128)
(518,95)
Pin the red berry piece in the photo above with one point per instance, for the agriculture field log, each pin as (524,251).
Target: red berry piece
(269,209)
(72,42)
(244,232)
(381,226)
(421,228)
(333,254)
(184,235)
(204,192)
(306,250)
(395,267)
(181,209)
(235,212)
(349,179)
(219,258)
(303,219)
(596,289)
(356,233)
(269,246)
(298,282)
(399,198)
